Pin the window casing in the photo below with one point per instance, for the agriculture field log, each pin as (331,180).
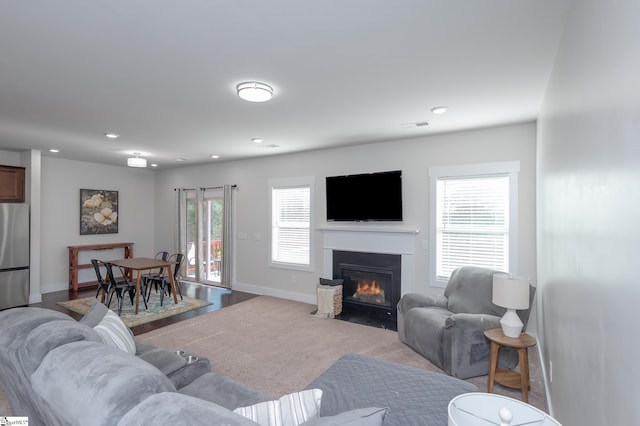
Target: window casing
(291,218)
(473,211)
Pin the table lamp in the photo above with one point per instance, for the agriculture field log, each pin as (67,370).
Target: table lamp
(479,408)
(511,293)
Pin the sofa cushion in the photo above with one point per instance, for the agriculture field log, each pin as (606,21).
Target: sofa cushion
(15,324)
(166,361)
(115,333)
(333,282)
(170,408)
(143,347)
(90,383)
(290,410)
(469,290)
(223,391)
(96,313)
(360,417)
(190,372)
(45,337)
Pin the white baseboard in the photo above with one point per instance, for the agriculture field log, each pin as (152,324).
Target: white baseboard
(545,378)
(283,294)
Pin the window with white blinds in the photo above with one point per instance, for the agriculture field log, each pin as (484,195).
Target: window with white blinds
(472,220)
(291,225)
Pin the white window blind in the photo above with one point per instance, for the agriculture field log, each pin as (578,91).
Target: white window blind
(291,220)
(472,223)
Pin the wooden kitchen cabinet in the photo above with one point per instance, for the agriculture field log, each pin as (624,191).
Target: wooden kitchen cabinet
(12,184)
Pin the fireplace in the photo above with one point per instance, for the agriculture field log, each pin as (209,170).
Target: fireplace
(372,282)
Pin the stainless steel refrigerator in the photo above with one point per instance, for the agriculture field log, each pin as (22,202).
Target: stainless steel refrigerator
(14,255)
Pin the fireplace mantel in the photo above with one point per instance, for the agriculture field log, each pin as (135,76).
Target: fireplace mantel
(383,229)
(369,239)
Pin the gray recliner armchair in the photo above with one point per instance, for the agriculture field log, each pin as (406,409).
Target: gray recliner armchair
(448,327)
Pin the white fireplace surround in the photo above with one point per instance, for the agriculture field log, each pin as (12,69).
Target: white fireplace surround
(366,239)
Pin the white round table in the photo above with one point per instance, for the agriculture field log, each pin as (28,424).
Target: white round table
(486,408)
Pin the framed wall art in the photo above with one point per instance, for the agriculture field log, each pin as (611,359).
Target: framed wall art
(98,212)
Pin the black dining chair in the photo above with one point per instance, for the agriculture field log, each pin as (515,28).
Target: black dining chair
(164,282)
(147,279)
(102,284)
(120,286)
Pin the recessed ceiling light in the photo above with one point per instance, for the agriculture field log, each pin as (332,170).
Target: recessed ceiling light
(439,109)
(181,159)
(257,140)
(112,135)
(254,91)
(54,150)
(215,156)
(153,165)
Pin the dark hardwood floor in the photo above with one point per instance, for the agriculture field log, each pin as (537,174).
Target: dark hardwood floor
(219,298)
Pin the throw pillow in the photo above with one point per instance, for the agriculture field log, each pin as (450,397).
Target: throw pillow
(334,282)
(359,417)
(290,410)
(94,316)
(114,332)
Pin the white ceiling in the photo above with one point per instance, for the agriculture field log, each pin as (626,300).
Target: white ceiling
(162,73)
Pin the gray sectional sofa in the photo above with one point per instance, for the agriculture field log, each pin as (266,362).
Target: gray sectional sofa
(58,371)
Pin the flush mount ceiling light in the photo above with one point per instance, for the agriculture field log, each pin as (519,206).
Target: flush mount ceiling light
(136,161)
(112,135)
(410,125)
(257,140)
(439,109)
(254,91)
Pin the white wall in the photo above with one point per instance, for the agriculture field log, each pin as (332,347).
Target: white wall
(413,156)
(10,158)
(588,209)
(61,184)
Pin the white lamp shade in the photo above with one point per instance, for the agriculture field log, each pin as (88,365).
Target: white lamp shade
(480,408)
(136,162)
(510,292)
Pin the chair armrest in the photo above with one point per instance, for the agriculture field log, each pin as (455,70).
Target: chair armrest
(477,321)
(433,298)
(465,349)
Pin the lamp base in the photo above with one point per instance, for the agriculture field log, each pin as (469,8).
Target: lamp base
(511,324)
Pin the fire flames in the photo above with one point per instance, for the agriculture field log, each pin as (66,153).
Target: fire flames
(368,289)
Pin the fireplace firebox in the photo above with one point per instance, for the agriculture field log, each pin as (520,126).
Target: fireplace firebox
(372,282)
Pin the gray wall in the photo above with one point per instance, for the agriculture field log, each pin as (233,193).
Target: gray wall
(588,155)
(61,184)
(414,157)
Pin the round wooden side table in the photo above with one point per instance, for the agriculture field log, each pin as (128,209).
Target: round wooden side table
(504,376)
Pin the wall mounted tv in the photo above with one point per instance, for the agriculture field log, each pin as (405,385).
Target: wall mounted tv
(365,197)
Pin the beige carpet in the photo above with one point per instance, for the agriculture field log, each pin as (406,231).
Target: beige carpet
(276,346)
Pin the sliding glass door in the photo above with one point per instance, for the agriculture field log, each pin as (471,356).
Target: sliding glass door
(204,221)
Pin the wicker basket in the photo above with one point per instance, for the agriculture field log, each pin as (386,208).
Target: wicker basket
(336,293)
(337,301)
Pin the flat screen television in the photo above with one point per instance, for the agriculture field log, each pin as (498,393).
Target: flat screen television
(365,197)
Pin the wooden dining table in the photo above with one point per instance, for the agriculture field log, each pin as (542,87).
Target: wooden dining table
(140,264)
